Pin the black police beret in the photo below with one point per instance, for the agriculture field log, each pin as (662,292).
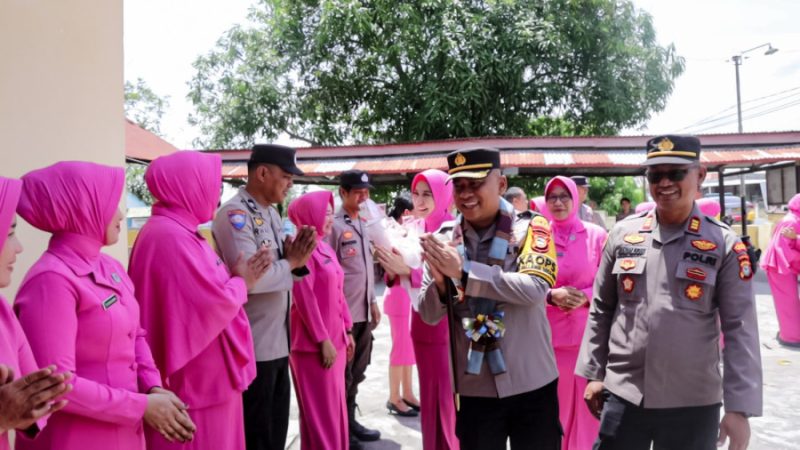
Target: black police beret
(580,180)
(279,155)
(673,149)
(354,179)
(472,163)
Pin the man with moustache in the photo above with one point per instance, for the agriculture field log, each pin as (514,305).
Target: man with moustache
(244,224)
(491,285)
(669,281)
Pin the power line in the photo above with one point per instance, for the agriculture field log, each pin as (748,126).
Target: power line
(713,118)
(778,108)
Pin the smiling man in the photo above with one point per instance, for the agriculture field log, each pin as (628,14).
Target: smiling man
(670,280)
(242,225)
(491,286)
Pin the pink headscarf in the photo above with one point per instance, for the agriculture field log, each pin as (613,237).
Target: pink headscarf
(783,255)
(169,179)
(10,191)
(442,197)
(708,206)
(572,223)
(187,296)
(539,204)
(644,206)
(309,209)
(75,201)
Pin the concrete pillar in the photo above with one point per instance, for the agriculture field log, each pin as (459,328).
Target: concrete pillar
(61,95)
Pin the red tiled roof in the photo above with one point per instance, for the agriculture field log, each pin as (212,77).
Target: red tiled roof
(618,154)
(142,145)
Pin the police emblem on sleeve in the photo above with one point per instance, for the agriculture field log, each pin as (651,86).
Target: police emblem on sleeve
(628,284)
(694,291)
(538,254)
(237,218)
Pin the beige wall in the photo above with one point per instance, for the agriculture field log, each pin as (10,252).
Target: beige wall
(61,94)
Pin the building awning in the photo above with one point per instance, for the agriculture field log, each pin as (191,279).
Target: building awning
(144,146)
(536,156)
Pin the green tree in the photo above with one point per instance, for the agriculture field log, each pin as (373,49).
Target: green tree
(134,180)
(143,106)
(341,71)
(608,191)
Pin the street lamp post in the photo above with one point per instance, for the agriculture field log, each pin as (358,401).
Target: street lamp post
(737,61)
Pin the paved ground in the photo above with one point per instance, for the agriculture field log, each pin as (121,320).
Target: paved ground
(779,429)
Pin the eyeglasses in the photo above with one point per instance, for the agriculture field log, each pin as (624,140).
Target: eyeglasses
(674,175)
(563,198)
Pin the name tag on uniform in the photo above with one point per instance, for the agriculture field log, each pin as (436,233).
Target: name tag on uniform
(110,301)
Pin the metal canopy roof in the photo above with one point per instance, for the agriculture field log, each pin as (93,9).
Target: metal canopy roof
(536,156)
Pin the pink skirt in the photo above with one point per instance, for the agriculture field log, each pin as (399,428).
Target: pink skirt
(402,353)
(219,427)
(321,400)
(437,410)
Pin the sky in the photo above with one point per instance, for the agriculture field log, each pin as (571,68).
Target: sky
(163,38)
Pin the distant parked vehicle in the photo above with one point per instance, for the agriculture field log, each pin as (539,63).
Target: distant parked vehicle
(733,207)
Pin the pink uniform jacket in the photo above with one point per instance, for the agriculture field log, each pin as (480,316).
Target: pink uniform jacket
(783,254)
(78,310)
(431,342)
(579,247)
(200,335)
(319,312)
(15,352)
(443,203)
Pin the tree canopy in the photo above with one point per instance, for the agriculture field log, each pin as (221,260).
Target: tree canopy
(360,71)
(144,106)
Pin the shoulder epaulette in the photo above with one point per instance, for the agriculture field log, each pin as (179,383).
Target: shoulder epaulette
(718,223)
(526,215)
(446,226)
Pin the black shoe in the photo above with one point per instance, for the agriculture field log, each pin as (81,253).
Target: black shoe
(785,343)
(363,433)
(410,412)
(413,406)
(355,444)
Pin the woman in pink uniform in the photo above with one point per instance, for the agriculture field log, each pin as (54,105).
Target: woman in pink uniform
(579,247)
(433,199)
(397,307)
(320,324)
(781,262)
(191,305)
(77,308)
(16,358)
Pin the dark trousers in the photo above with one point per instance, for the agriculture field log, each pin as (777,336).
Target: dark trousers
(354,372)
(626,426)
(266,406)
(529,420)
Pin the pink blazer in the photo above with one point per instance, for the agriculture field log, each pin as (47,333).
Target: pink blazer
(319,310)
(86,321)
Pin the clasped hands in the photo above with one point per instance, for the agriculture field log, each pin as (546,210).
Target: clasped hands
(443,260)
(568,298)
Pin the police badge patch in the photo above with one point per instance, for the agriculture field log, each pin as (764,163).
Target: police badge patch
(237,218)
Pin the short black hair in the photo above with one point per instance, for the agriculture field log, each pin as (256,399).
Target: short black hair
(625,199)
(400,205)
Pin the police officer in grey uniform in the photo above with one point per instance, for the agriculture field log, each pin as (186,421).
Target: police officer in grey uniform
(586,213)
(670,280)
(354,251)
(244,224)
(491,284)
